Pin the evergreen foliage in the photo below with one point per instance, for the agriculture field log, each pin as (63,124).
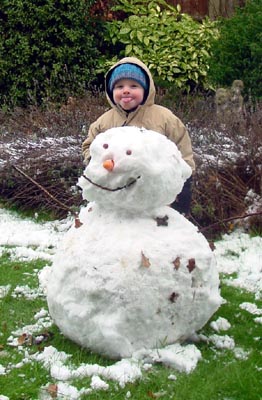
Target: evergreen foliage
(48,49)
(237,52)
(173,45)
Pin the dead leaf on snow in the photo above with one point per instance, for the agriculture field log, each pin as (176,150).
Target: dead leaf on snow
(173,297)
(29,340)
(212,245)
(25,338)
(52,390)
(78,223)
(43,337)
(144,261)
(191,264)
(176,263)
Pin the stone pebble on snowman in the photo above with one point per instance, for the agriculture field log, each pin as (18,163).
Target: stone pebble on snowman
(136,274)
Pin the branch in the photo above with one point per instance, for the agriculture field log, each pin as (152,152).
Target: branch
(62,205)
(230,219)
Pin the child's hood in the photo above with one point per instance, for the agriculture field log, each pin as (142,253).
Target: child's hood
(132,60)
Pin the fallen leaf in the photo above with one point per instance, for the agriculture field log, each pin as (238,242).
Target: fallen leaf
(176,263)
(52,390)
(173,297)
(78,223)
(191,264)
(4,326)
(151,395)
(25,338)
(156,395)
(212,245)
(43,337)
(144,261)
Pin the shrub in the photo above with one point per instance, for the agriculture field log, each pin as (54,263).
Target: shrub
(227,182)
(47,49)
(237,52)
(173,45)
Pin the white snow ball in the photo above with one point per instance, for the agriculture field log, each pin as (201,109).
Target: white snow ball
(133,168)
(221,324)
(136,274)
(98,384)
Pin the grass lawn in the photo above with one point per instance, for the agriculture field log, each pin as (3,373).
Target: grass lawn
(226,374)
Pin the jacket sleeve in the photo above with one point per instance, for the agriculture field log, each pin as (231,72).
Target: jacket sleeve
(177,132)
(104,122)
(92,133)
(85,146)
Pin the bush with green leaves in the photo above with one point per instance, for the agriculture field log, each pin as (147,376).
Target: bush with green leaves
(237,52)
(173,45)
(48,49)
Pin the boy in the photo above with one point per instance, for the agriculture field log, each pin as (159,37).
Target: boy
(130,91)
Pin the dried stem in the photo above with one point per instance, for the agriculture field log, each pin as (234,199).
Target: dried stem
(62,205)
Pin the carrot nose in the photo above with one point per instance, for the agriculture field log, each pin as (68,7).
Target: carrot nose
(109,165)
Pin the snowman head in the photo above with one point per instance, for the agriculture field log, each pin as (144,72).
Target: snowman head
(133,169)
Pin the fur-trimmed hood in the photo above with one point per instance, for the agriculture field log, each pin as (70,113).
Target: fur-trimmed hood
(150,99)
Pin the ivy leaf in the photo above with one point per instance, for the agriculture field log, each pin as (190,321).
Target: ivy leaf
(129,49)
(124,31)
(146,41)
(140,36)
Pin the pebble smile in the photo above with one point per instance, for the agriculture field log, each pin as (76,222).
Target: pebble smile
(126,186)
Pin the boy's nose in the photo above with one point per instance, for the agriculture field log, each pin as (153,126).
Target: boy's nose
(109,165)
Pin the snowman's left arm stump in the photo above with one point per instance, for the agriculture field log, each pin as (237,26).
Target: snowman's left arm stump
(162,221)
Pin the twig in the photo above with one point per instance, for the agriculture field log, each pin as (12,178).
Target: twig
(62,205)
(78,223)
(229,219)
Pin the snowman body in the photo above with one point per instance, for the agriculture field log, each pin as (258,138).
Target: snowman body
(136,274)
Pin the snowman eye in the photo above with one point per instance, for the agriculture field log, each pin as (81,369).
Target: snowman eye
(105,145)
(128,152)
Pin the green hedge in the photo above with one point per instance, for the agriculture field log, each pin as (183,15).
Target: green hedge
(48,49)
(173,45)
(237,53)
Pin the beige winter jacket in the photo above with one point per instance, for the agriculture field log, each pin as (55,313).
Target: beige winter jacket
(148,115)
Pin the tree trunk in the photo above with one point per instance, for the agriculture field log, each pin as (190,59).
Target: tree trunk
(212,8)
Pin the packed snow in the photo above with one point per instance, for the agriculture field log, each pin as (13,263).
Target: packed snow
(27,240)
(49,234)
(135,265)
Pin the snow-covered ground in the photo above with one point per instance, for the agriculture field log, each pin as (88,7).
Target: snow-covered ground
(28,240)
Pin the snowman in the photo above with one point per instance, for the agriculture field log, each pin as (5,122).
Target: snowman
(136,274)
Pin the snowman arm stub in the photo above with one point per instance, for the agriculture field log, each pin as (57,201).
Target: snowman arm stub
(162,221)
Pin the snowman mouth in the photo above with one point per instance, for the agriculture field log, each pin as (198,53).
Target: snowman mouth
(130,182)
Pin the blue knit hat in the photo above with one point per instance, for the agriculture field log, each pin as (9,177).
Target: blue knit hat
(128,71)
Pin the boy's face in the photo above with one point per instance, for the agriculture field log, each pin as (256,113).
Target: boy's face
(128,94)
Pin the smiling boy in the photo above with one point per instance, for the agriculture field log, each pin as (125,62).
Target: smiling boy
(128,94)
(130,91)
